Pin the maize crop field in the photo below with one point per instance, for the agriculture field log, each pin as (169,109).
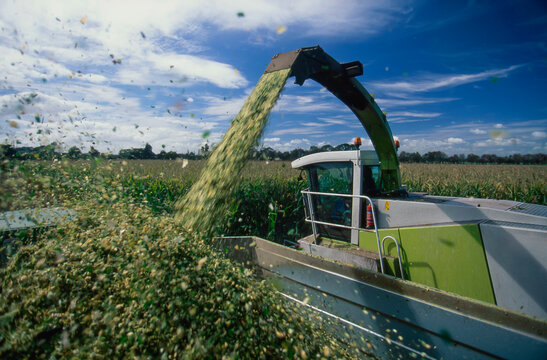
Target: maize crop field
(122,280)
(525,183)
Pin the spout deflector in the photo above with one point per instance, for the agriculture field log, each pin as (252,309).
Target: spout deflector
(307,62)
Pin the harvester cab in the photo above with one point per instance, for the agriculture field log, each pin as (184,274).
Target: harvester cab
(339,183)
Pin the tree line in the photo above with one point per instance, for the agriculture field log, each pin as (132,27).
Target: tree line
(53,151)
(441,157)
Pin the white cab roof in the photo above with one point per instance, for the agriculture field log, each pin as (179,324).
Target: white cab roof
(368,157)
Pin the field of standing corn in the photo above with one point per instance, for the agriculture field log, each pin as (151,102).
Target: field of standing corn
(525,183)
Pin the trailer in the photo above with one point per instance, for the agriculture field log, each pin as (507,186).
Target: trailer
(386,316)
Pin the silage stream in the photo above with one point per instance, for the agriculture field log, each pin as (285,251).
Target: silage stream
(207,200)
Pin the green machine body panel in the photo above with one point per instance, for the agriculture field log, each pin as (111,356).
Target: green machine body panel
(447,257)
(367,241)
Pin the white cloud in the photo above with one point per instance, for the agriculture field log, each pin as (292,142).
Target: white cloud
(300,131)
(277,144)
(313,124)
(105,120)
(307,103)
(539,134)
(167,16)
(386,103)
(498,126)
(414,114)
(328,19)
(21,70)
(454,140)
(166,68)
(28,104)
(222,108)
(423,145)
(438,81)
(409,117)
(400,120)
(109,31)
(504,142)
(478,131)
(335,121)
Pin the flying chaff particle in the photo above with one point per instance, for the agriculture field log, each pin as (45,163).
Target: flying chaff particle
(281,29)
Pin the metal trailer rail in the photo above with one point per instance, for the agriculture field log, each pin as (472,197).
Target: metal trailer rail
(389,317)
(14,222)
(310,217)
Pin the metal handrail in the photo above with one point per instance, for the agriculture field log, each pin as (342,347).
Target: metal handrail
(398,253)
(313,221)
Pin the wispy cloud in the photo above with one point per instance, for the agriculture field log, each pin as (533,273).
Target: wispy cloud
(307,104)
(340,120)
(307,130)
(387,103)
(409,116)
(415,114)
(478,131)
(400,120)
(440,81)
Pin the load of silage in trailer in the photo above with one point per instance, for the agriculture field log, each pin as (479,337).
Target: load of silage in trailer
(120,283)
(207,200)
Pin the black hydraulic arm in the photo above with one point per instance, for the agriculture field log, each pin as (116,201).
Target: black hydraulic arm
(339,79)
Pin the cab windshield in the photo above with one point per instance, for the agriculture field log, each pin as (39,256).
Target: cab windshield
(336,178)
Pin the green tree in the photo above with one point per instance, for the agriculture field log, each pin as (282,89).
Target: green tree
(93,153)
(147,152)
(7,151)
(74,153)
(472,158)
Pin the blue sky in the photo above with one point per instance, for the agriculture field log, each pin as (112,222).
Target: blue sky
(452,76)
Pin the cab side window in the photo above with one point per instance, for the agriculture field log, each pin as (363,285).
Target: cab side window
(371,180)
